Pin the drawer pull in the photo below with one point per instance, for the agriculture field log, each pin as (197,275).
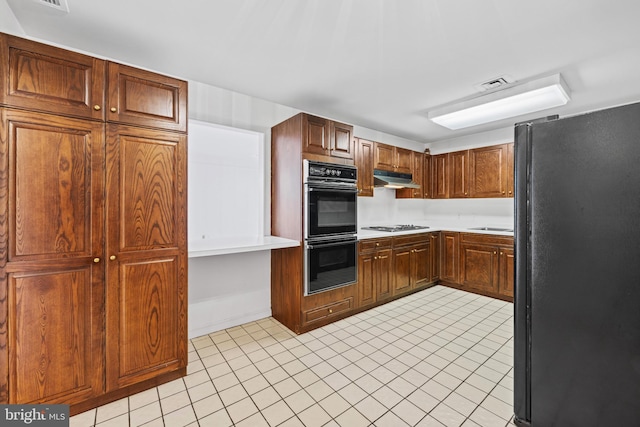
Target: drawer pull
(330,310)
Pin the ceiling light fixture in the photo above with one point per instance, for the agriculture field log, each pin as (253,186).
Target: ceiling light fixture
(535,95)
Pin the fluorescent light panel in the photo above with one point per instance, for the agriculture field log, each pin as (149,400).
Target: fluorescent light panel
(514,101)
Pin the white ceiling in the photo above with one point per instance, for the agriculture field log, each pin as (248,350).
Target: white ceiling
(380,64)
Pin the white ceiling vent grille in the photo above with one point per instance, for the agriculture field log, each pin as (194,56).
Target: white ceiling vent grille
(495,83)
(60,5)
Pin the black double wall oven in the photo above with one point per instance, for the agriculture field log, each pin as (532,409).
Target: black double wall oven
(330,226)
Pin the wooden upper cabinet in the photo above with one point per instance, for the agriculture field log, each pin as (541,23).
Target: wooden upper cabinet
(315,134)
(393,159)
(417,172)
(488,171)
(327,138)
(143,98)
(46,78)
(440,176)
(364,163)
(427,188)
(510,170)
(52,285)
(146,242)
(404,160)
(341,144)
(384,157)
(458,164)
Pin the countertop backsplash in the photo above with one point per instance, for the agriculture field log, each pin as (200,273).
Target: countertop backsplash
(385,209)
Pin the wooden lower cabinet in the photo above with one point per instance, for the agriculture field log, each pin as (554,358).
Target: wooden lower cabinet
(486,264)
(450,257)
(375,281)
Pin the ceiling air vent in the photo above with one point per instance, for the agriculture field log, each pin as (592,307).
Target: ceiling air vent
(60,5)
(494,83)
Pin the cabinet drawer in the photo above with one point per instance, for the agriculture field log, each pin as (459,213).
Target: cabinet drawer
(375,244)
(328,310)
(486,239)
(410,239)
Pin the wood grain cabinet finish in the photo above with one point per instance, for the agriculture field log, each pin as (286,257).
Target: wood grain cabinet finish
(49,79)
(143,98)
(93,255)
(434,249)
(427,186)
(327,138)
(488,171)
(145,239)
(375,280)
(510,170)
(458,174)
(417,174)
(412,259)
(391,158)
(450,257)
(486,264)
(364,163)
(52,291)
(506,277)
(440,176)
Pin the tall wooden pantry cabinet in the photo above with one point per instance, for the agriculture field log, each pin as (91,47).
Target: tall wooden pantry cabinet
(93,243)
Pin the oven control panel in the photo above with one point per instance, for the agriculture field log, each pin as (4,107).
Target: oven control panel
(330,170)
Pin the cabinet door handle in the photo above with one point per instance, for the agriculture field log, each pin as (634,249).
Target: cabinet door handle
(509,191)
(113,109)
(96,260)
(377,243)
(501,253)
(112,257)
(502,191)
(494,252)
(375,257)
(96,107)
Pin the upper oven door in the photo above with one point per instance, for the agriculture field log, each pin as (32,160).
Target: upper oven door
(330,210)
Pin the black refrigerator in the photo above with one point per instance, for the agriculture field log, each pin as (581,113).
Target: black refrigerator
(577,291)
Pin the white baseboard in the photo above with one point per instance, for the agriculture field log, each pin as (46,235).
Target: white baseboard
(227,311)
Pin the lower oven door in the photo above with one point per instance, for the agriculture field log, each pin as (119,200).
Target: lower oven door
(330,264)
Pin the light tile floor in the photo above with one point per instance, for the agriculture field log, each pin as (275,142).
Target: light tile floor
(439,357)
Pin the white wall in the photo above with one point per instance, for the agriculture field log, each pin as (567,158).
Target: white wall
(8,22)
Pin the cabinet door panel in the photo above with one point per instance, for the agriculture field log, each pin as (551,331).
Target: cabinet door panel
(46,78)
(404,160)
(145,336)
(384,157)
(57,167)
(507,277)
(402,270)
(510,170)
(366,281)
(144,98)
(315,135)
(364,163)
(479,267)
(440,176)
(487,171)
(426,180)
(450,257)
(384,274)
(421,264)
(435,257)
(55,335)
(458,164)
(341,140)
(146,274)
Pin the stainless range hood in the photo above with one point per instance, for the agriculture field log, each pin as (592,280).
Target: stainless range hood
(393,179)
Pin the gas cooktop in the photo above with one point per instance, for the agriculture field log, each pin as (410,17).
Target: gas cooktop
(392,228)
